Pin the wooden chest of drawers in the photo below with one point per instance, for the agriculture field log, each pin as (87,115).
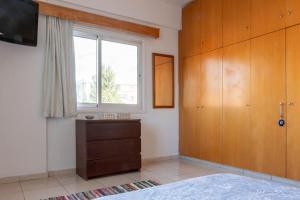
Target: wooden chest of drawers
(106,147)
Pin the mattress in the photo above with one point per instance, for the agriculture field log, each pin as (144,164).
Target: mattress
(215,187)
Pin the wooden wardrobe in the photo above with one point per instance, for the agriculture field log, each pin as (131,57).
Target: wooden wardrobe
(239,75)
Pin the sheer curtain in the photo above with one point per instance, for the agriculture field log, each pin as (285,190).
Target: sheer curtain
(59,89)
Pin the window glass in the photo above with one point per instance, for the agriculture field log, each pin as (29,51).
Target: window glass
(119,73)
(86,70)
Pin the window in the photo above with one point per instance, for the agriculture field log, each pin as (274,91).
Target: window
(108,73)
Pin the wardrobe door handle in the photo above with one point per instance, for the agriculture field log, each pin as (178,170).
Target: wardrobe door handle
(281,110)
(281,121)
(291,103)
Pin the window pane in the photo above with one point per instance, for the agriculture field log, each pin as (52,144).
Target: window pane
(119,73)
(86,70)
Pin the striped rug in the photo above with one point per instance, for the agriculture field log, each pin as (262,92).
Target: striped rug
(93,194)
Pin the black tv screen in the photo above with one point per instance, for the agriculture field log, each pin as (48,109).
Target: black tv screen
(19,21)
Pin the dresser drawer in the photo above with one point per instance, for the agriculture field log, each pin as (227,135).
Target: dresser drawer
(106,131)
(112,148)
(113,165)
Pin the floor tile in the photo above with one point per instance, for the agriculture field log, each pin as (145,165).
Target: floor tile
(82,186)
(44,193)
(12,196)
(141,176)
(138,176)
(193,175)
(9,188)
(40,184)
(69,179)
(113,180)
(165,171)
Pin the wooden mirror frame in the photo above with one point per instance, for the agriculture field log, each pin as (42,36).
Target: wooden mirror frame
(172,105)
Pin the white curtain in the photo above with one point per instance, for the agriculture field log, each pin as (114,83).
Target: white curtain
(59,89)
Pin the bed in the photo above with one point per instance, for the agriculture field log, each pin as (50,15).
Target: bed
(215,187)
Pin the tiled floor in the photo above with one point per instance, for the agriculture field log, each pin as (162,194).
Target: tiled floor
(163,172)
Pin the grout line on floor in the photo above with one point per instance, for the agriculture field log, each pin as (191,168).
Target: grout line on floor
(62,185)
(22,190)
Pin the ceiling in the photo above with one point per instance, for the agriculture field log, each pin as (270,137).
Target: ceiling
(180,3)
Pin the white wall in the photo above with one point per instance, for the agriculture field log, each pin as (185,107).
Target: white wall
(24,135)
(22,128)
(156,12)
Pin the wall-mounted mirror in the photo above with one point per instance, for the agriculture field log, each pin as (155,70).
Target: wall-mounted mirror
(163,81)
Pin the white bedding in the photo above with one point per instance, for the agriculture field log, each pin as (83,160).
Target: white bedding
(215,187)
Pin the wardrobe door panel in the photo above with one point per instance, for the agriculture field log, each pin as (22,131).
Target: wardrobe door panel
(236,134)
(189,137)
(209,115)
(268,91)
(236,21)
(191,29)
(210,24)
(267,16)
(191,81)
(189,145)
(293,12)
(293,99)
(211,78)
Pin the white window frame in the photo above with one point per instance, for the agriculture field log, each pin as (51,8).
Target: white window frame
(123,38)
(88,106)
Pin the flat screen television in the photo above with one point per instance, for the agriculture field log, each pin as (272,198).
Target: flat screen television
(19,21)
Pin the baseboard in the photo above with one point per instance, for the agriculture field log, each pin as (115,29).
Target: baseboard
(157,159)
(15,179)
(244,171)
(61,172)
(36,176)
(9,180)
(33,176)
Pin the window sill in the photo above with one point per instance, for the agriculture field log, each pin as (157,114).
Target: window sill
(86,110)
